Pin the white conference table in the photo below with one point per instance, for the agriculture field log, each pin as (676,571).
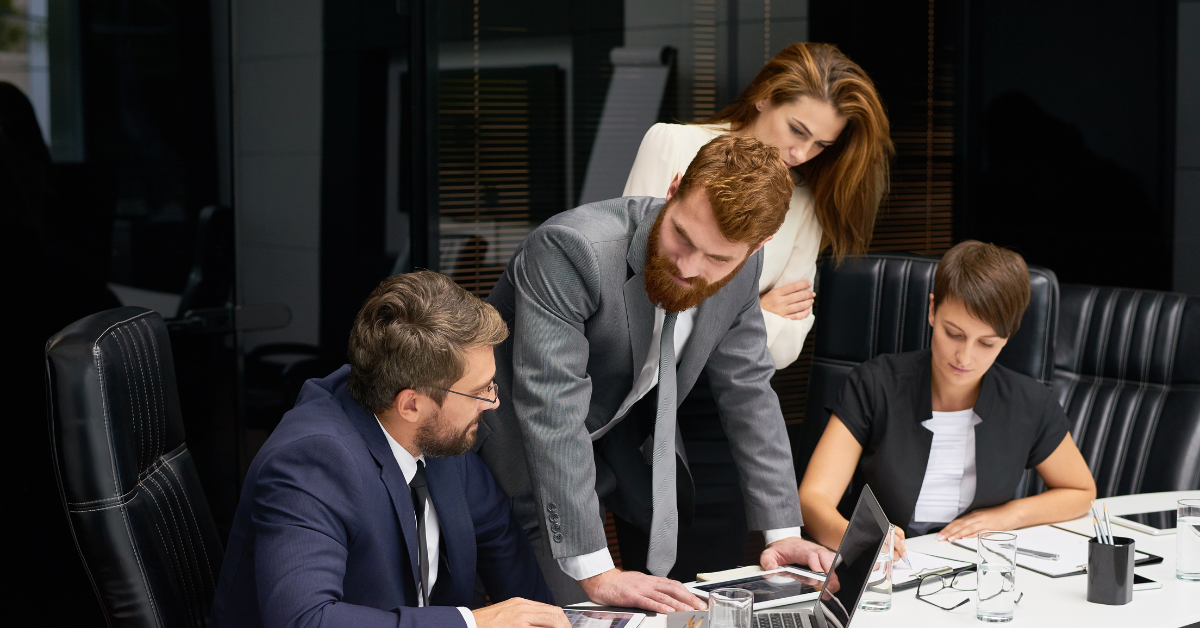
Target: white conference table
(1058,602)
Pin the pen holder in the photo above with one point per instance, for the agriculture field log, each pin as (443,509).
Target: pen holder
(1110,571)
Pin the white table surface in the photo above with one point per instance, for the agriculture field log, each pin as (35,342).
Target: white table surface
(1059,602)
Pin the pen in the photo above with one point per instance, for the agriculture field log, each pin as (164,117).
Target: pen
(905,561)
(1037,554)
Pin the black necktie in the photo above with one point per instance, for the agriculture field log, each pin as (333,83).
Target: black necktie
(420,494)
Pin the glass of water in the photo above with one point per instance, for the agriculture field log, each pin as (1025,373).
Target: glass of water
(1187,540)
(730,608)
(878,595)
(996,566)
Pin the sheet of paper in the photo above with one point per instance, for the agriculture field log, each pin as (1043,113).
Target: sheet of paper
(1071,549)
(601,619)
(688,619)
(728,574)
(921,564)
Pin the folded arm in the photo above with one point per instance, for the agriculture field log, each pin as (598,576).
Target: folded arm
(787,305)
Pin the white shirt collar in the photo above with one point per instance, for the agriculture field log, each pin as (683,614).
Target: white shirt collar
(408,464)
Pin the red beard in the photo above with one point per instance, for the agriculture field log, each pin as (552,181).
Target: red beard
(661,287)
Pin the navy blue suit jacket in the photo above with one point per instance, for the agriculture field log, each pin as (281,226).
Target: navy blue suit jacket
(325,533)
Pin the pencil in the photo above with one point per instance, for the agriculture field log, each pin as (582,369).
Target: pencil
(1108,526)
(1096,525)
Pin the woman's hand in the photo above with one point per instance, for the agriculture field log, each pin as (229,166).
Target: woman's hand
(898,543)
(793,300)
(976,521)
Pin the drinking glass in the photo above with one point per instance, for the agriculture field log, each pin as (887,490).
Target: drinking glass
(996,581)
(1187,540)
(878,595)
(730,608)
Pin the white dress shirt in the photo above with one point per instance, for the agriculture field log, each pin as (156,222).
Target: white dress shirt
(433,532)
(790,256)
(600,561)
(949,485)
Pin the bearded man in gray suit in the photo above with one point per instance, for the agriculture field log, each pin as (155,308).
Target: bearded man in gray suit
(600,301)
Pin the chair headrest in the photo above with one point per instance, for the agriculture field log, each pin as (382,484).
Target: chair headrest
(113,363)
(1126,334)
(879,303)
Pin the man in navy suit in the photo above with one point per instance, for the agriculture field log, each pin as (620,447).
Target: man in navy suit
(365,507)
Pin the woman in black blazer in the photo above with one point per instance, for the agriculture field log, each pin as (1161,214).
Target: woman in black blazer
(943,435)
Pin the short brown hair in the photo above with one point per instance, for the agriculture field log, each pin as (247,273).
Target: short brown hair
(413,332)
(850,178)
(991,282)
(747,183)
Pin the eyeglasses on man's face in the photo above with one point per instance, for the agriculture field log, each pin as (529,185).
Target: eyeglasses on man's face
(492,392)
(965,581)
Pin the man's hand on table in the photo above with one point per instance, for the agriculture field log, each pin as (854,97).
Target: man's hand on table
(520,613)
(638,590)
(795,550)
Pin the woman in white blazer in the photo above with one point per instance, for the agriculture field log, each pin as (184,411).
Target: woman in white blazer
(823,114)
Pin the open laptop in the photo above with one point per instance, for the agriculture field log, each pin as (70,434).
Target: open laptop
(847,579)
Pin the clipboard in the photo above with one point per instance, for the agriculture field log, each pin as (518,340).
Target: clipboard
(1045,567)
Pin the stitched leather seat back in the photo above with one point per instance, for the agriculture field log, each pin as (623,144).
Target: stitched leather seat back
(137,512)
(879,303)
(1127,371)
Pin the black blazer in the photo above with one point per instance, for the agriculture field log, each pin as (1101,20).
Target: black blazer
(886,399)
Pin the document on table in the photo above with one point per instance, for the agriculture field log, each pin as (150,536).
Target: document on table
(581,618)
(922,565)
(1071,548)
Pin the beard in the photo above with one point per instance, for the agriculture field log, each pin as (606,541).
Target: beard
(439,440)
(661,287)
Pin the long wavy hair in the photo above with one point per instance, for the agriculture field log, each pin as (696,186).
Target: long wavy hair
(849,179)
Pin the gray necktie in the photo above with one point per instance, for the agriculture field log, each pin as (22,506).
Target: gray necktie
(664,523)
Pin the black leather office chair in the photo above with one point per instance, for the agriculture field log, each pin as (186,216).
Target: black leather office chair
(136,509)
(879,303)
(1127,371)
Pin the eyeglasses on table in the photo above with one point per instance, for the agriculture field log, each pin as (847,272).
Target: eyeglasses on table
(965,581)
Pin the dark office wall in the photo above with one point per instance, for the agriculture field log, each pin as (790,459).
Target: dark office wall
(1063,121)
(147,109)
(360,38)
(595,28)
(1070,116)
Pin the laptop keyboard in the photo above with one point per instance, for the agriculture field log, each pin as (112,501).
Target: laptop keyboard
(781,620)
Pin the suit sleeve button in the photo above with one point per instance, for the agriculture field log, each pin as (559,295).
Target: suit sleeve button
(558,538)
(554,517)
(552,507)
(556,528)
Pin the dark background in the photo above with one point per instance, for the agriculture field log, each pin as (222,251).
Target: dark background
(1054,124)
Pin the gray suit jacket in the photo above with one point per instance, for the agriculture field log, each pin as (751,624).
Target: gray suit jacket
(581,323)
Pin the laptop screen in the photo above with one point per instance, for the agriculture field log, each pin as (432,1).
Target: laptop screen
(856,557)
